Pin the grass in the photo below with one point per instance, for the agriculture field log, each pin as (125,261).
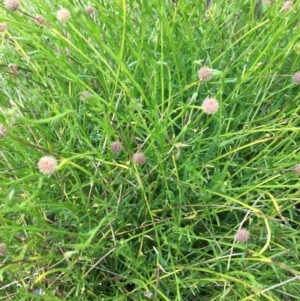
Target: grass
(104,228)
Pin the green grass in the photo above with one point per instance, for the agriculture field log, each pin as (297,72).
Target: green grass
(104,228)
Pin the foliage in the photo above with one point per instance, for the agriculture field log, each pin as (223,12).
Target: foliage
(104,228)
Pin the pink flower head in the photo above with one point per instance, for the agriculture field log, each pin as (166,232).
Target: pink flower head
(47,165)
(210,105)
(116,147)
(242,235)
(296,78)
(12,5)
(89,10)
(139,158)
(297,169)
(3,27)
(3,131)
(39,20)
(204,74)
(63,15)
(287,5)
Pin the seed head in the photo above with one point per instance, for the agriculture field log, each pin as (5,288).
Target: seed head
(139,158)
(287,5)
(210,105)
(2,249)
(47,165)
(89,10)
(12,5)
(296,78)
(3,131)
(204,74)
(85,95)
(297,169)
(39,20)
(63,15)
(242,235)
(116,147)
(3,27)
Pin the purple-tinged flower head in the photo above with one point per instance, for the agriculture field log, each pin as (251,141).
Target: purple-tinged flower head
(3,249)
(297,169)
(242,235)
(296,78)
(204,74)
(89,10)
(210,105)
(148,294)
(12,5)
(47,165)
(63,15)
(39,20)
(139,158)
(287,5)
(3,131)
(3,27)
(116,147)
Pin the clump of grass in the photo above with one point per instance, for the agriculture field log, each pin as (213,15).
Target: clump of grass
(81,80)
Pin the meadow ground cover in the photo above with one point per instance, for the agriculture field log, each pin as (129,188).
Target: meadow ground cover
(149,150)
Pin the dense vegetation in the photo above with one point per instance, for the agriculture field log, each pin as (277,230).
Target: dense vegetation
(149,150)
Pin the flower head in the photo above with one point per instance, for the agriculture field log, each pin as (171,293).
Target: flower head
(139,158)
(3,27)
(204,74)
(63,15)
(85,95)
(39,20)
(116,147)
(2,249)
(47,165)
(13,69)
(242,235)
(3,131)
(287,5)
(296,78)
(89,10)
(12,5)
(297,169)
(148,294)
(210,105)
